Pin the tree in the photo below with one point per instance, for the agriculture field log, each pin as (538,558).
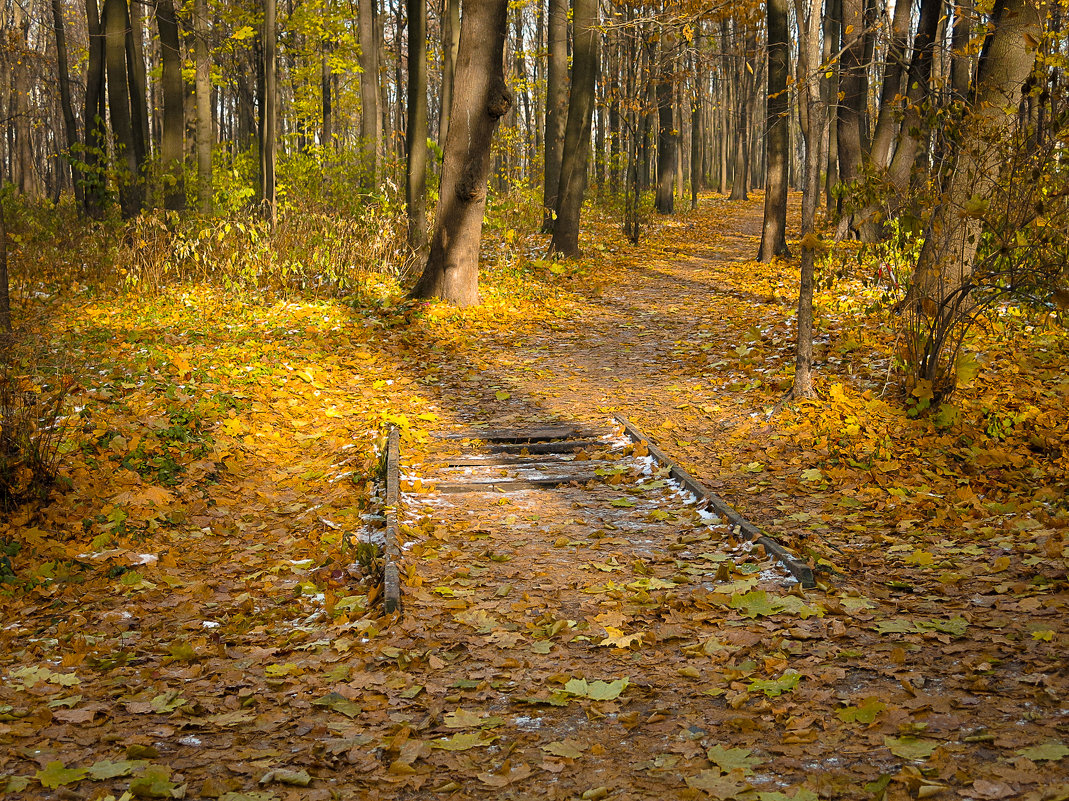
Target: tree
(576,156)
(174,190)
(556,108)
(481,98)
(370,124)
(450,45)
(774,230)
(667,137)
(203,91)
(95,145)
(416,129)
(70,125)
(941,279)
(815,112)
(116,25)
(269,127)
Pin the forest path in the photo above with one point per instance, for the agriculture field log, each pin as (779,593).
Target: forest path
(191,622)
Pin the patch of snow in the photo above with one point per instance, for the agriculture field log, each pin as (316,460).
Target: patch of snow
(209,624)
(528,723)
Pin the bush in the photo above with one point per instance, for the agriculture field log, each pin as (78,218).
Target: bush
(32,422)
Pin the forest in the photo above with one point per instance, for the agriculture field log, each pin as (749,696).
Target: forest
(524,398)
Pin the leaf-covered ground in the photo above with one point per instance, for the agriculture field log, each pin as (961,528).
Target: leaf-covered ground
(193,615)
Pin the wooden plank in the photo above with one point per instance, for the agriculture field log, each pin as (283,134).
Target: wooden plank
(514,434)
(391,578)
(513,462)
(799,569)
(511,484)
(562,446)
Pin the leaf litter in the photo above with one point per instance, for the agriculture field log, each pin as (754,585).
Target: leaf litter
(200,617)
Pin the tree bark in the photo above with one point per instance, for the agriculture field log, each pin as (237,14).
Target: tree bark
(777,109)
(202,90)
(416,127)
(891,89)
(138,82)
(952,234)
(70,125)
(803,361)
(370,122)
(450,45)
(116,24)
(269,127)
(556,108)
(576,156)
(5,294)
(851,90)
(667,137)
(480,99)
(95,129)
(174,191)
(961,60)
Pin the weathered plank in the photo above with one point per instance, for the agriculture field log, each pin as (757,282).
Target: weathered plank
(512,484)
(514,434)
(562,446)
(391,578)
(799,569)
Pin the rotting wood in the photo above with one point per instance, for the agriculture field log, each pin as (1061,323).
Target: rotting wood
(517,462)
(564,446)
(510,484)
(515,434)
(799,569)
(391,578)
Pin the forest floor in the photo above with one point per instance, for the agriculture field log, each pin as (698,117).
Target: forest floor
(187,616)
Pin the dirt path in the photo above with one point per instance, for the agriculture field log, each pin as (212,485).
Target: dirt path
(554,645)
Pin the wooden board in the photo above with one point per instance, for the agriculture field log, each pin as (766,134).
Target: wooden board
(391,577)
(799,569)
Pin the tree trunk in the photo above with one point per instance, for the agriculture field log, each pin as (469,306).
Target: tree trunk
(70,126)
(961,61)
(667,138)
(803,360)
(116,23)
(370,124)
(450,45)
(480,99)
(202,89)
(5,294)
(577,133)
(777,142)
(269,128)
(174,190)
(851,92)
(416,129)
(697,143)
(953,232)
(138,81)
(891,88)
(325,77)
(556,108)
(96,133)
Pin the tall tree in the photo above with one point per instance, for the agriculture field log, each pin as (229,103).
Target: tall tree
(269,128)
(812,37)
(174,191)
(116,24)
(95,145)
(5,295)
(556,108)
(777,135)
(573,172)
(203,89)
(481,98)
(852,101)
(450,45)
(667,136)
(416,128)
(370,123)
(70,126)
(952,234)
